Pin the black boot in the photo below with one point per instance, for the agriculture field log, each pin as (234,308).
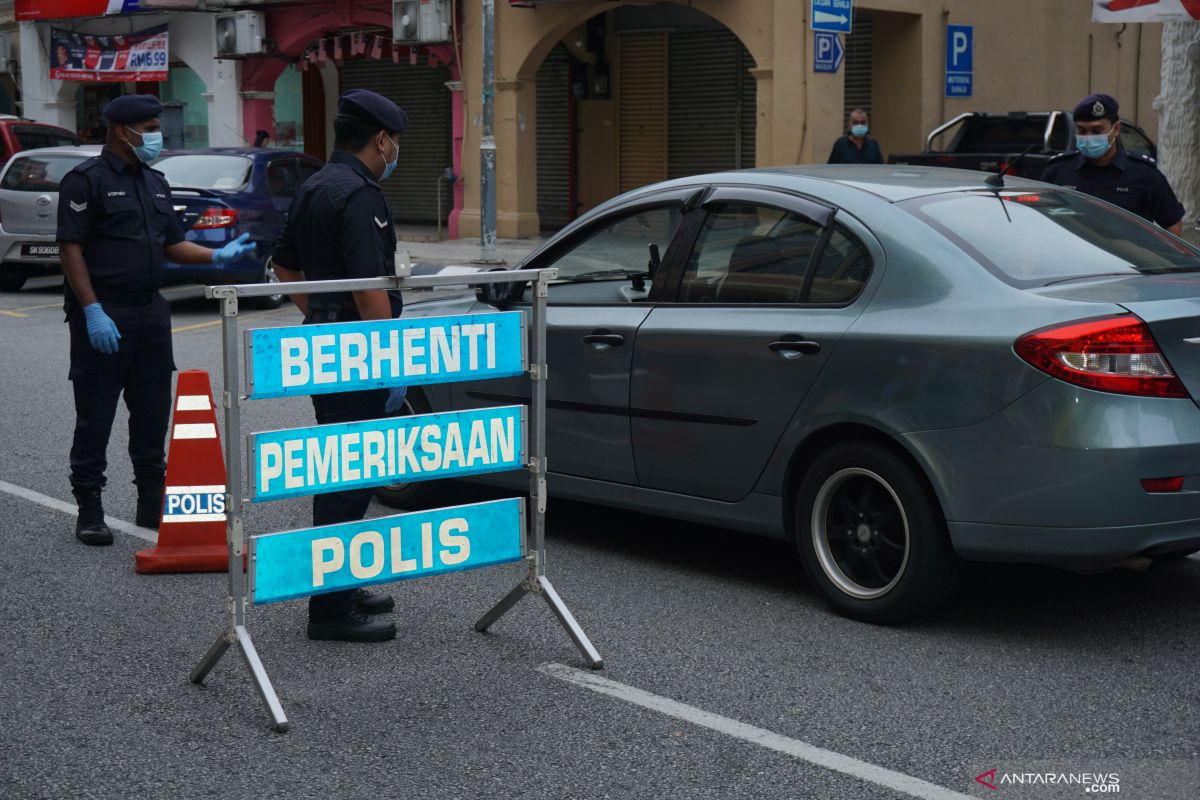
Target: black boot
(149,504)
(352,627)
(369,603)
(89,526)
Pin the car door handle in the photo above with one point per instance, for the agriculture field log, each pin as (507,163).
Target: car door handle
(602,341)
(792,348)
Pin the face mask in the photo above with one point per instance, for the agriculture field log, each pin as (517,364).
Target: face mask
(390,166)
(1093,146)
(859,130)
(150,147)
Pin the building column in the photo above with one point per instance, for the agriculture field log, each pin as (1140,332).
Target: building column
(458,126)
(43,99)
(225,105)
(516,164)
(258,113)
(764,77)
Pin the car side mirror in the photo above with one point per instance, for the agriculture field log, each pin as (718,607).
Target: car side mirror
(499,295)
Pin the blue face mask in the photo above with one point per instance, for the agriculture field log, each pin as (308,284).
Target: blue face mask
(1093,146)
(151,146)
(390,166)
(859,130)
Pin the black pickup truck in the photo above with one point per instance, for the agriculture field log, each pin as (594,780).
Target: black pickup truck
(989,142)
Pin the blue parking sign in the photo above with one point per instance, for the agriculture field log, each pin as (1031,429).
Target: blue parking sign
(960,60)
(827,52)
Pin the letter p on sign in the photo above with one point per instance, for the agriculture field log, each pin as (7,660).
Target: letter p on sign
(959,41)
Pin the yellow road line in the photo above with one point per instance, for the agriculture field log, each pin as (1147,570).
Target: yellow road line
(59,304)
(214,322)
(174,290)
(12,313)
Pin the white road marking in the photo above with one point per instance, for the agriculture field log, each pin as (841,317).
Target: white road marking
(67,508)
(827,759)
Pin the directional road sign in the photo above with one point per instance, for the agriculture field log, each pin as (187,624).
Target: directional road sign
(827,52)
(835,16)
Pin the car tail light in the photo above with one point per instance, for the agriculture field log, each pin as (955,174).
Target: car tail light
(217,218)
(1111,354)
(1162,485)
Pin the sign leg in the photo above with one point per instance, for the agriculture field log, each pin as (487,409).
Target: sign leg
(501,608)
(205,665)
(568,621)
(261,681)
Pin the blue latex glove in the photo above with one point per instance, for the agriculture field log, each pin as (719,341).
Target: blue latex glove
(395,400)
(233,250)
(102,331)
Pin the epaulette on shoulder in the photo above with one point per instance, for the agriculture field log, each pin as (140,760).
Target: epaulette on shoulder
(1063,155)
(86,164)
(1145,158)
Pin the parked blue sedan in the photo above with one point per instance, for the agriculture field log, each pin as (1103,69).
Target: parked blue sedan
(223,192)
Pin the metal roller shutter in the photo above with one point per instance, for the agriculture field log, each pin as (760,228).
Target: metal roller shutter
(425,146)
(643,109)
(858,67)
(554,134)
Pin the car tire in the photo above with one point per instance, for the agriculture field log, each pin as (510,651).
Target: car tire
(872,536)
(270,301)
(12,281)
(418,494)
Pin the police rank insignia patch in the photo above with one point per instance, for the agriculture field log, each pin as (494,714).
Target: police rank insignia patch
(1098,108)
(78,206)
(381,225)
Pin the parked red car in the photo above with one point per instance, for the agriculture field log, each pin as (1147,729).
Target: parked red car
(17,134)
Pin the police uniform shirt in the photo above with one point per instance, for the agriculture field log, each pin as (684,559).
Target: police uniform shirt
(339,226)
(847,152)
(122,217)
(1131,181)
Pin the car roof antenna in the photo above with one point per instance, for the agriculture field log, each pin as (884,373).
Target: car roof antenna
(997,180)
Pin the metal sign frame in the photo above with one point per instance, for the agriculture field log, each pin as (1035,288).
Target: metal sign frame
(535,581)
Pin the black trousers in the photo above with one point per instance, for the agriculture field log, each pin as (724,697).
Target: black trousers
(342,506)
(141,370)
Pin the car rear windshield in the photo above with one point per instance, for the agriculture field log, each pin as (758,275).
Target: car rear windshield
(38,173)
(206,171)
(32,137)
(1034,238)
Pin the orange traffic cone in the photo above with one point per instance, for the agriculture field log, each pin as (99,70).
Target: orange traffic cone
(191,534)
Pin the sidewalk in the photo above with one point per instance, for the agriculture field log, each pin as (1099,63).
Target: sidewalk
(457,251)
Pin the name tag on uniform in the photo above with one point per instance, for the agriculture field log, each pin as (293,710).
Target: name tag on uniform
(1122,188)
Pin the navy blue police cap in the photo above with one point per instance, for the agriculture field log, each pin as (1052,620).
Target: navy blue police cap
(372,108)
(130,108)
(1095,107)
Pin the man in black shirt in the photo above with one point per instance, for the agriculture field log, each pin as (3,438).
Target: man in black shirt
(856,147)
(116,226)
(339,227)
(1102,168)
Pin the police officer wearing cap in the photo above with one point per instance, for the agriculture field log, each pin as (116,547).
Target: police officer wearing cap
(116,227)
(340,227)
(1103,168)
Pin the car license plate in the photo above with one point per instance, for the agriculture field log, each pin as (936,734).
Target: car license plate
(40,250)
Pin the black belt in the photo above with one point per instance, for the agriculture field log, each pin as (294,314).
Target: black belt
(316,316)
(142,297)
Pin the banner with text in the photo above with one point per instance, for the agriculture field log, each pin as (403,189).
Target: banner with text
(353,356)
(379,452)
(348,555)
(68,9)
(108,59)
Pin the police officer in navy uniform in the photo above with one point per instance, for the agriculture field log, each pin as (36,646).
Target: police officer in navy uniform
(339,227)
(1103,168)
(116,226)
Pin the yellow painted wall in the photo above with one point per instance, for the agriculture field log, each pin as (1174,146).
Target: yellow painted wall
(1029,55)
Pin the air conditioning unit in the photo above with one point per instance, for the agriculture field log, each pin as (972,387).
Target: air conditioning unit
(420,21)
(240,33)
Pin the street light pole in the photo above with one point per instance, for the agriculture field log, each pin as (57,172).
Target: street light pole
(487,142)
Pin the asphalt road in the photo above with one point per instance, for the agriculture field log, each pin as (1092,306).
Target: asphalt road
(1028,670)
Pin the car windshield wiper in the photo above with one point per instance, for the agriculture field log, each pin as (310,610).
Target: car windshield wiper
(601,274)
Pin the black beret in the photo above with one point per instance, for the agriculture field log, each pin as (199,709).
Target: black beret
(370,107)
(131,108)
(1096,106)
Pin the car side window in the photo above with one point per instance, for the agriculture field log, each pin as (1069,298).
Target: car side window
(281,178)
(621,248)
(304,171)
(749,253)
(842,270)
(1133,141)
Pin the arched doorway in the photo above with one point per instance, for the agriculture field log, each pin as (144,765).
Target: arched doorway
(642,94)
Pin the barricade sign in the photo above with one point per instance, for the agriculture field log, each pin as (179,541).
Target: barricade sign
(358,356)
(386,549)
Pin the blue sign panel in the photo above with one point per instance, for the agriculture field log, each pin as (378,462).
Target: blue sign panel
(960,59)
(836,16)
(351,455)
(352,356)
(827,52)
(348,555)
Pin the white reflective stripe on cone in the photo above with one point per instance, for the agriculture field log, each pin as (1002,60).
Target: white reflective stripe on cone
(193,402)
(195,430)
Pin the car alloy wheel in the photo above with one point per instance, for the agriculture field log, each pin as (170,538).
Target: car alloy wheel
(271,300)
(860,533)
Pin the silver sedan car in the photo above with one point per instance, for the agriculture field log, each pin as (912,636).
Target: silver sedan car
(29,211)
(897,368)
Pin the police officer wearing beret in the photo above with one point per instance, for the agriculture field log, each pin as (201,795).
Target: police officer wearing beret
(116,227)
(1103,168)
(340,227)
